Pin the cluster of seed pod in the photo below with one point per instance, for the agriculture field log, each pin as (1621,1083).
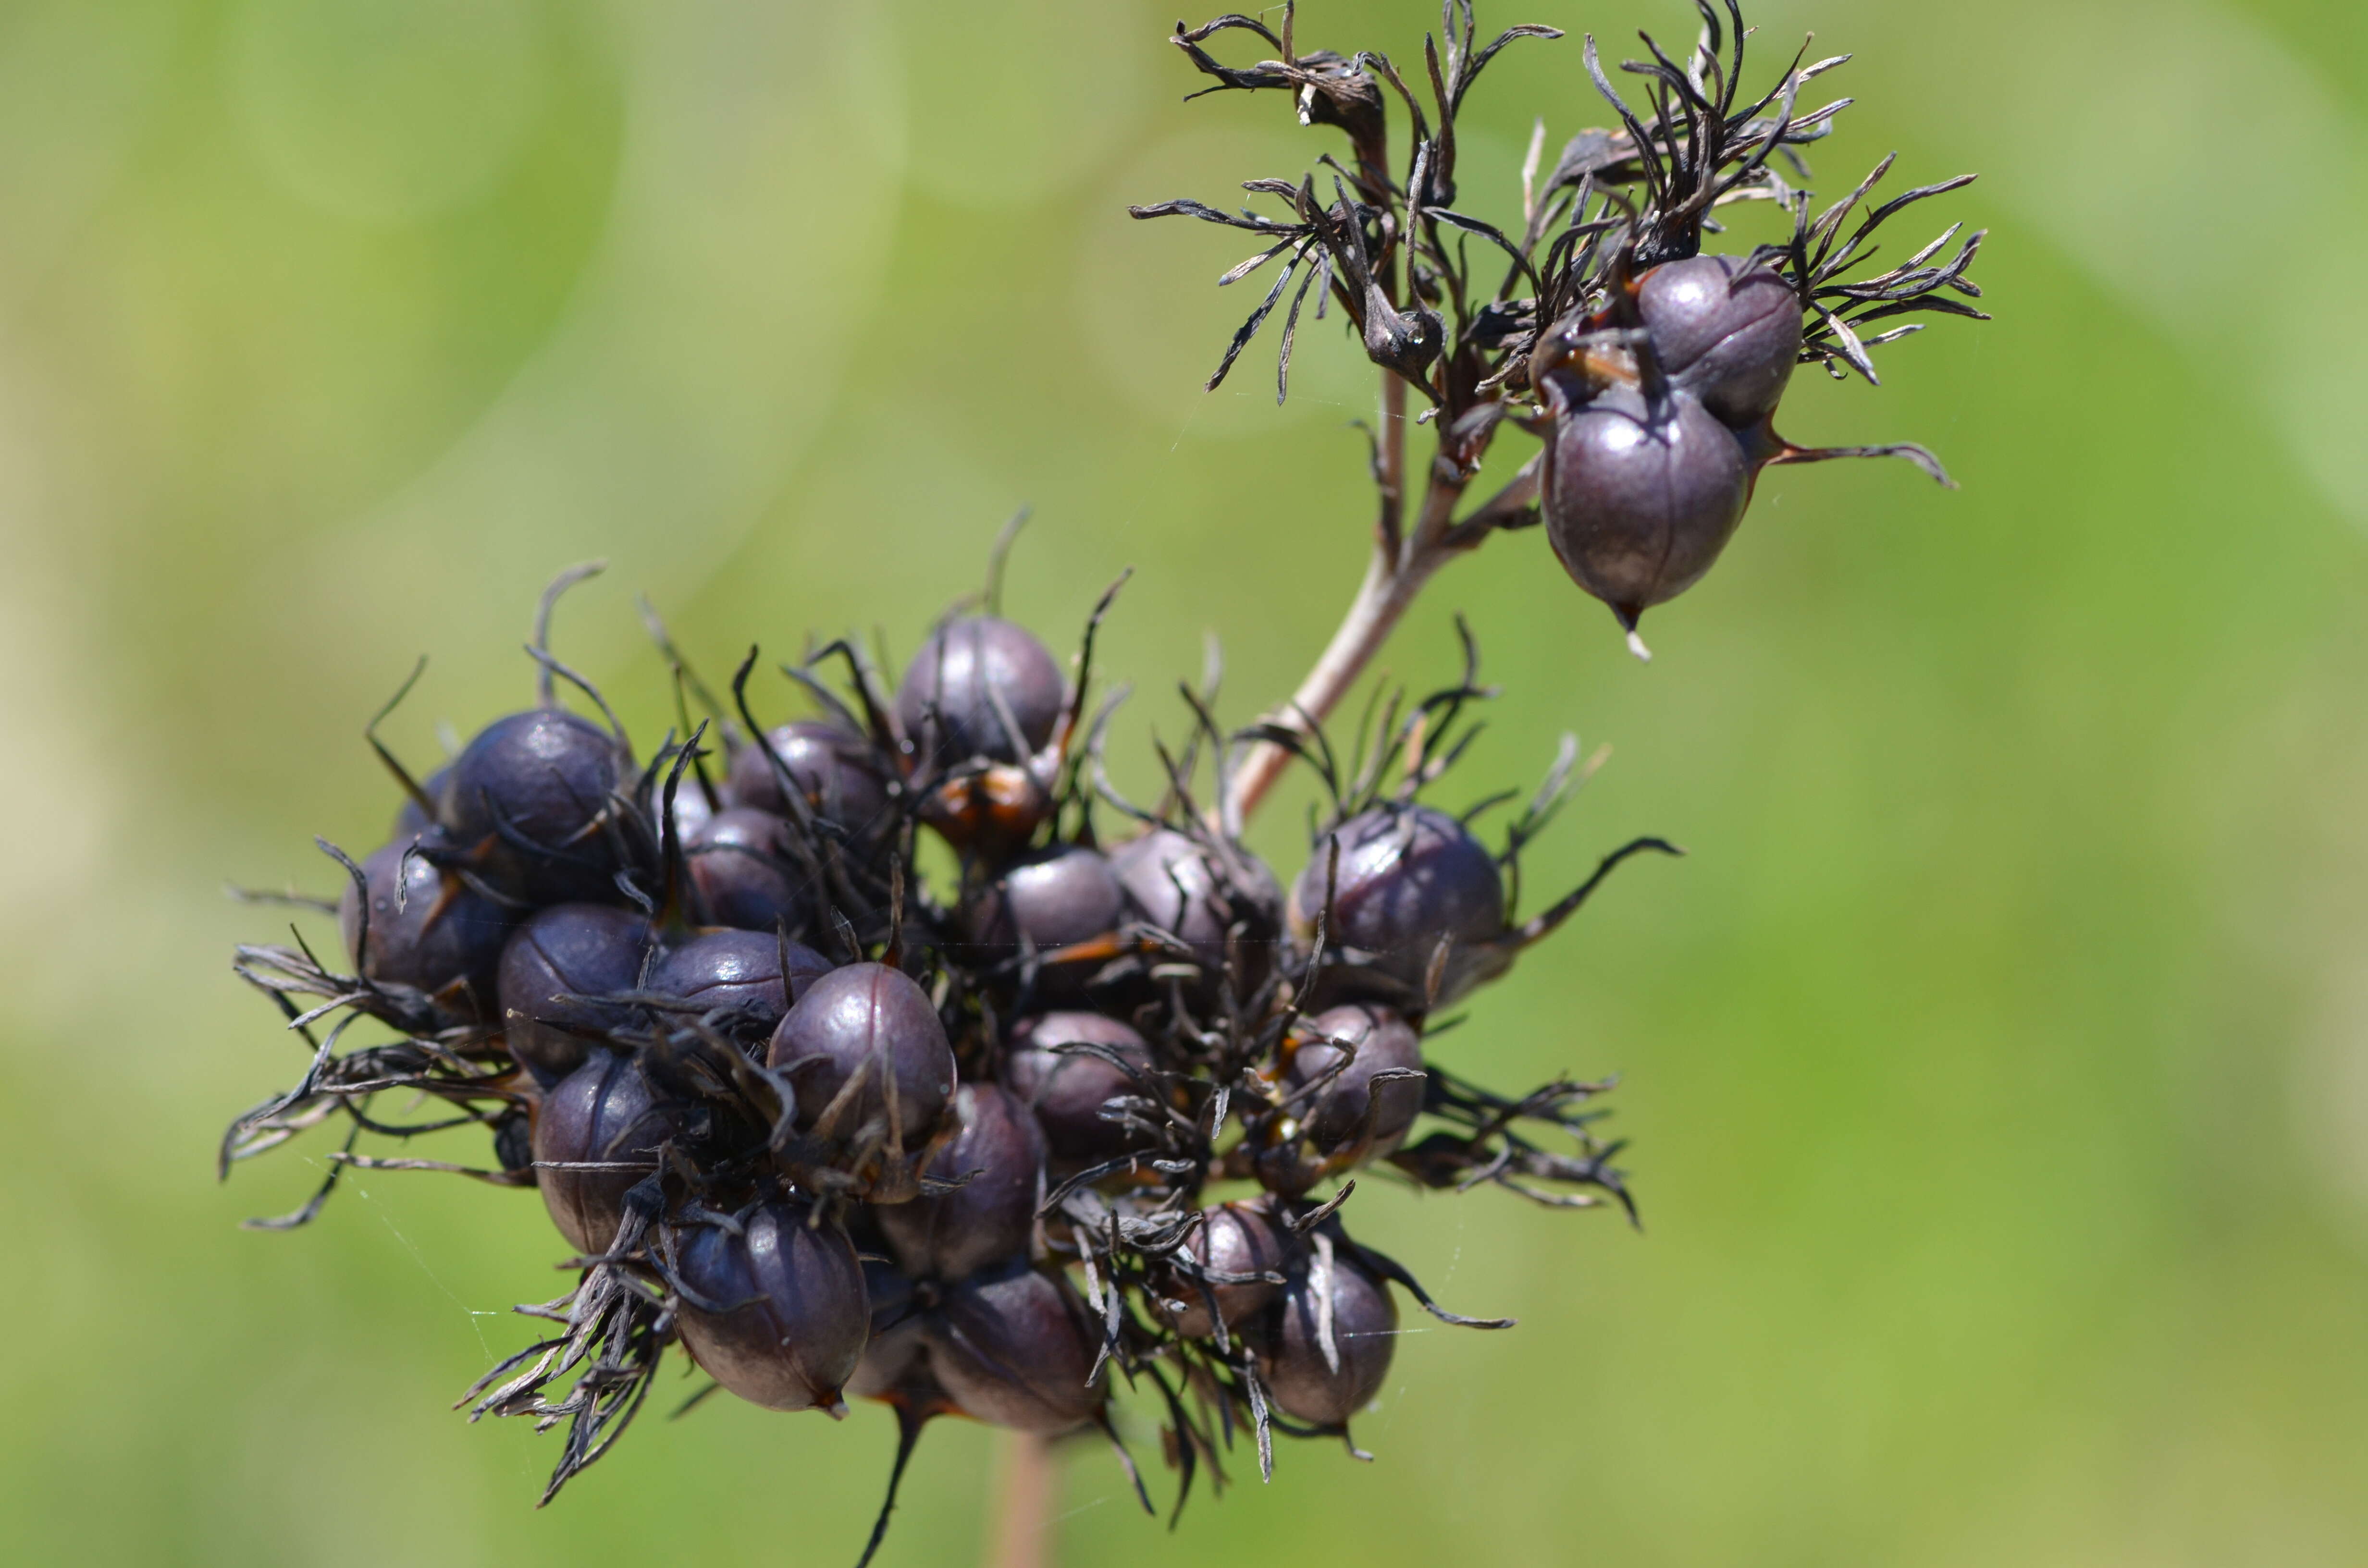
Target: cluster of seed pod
(838,1137)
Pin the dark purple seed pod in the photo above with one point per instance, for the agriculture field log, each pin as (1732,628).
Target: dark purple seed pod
(539,790)
(1057,896)
(796,1316)
(444,940)
(1232,1239)
(1326,1390)
(835,772)
(992,1216)
(1069,1088)
(554,971)
(1197,895)
(1379,1040)
(602,1114)
(1015,1349)
(1638,498)
(745,872)
(1729,334)
(736,977)
(870,1018)
(1408,877)
(973,685)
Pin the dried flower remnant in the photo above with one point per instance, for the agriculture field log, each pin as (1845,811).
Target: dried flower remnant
(1082,1122)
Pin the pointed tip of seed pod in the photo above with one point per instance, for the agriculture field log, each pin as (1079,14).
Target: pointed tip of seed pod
(1636,646)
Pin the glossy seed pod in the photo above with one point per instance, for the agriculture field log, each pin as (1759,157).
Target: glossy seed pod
(971,684)
(539,791)
(1290,1346)
(605,1114)
(1729,336)
(1056,896)
(1379,1040)
(991,1218)
(745,872)
(554,971)
(799,1315)
(833,770)
(1639,499)
(1067,1089)
(1015,1349)
(1191,893)
(871,1018)
(444,940)
(735,978)
(1232,1238)
(1409,876)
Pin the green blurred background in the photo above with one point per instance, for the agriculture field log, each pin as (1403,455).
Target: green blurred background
(1996,1065)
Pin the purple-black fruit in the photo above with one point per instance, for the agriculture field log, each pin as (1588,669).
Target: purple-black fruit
(1194,894)
(444,940)
(1051,899)
(603,1114)
(1238,1239)
(981,688)
(1409,877)
(869,1019)
(744,869)
(796,1316)
(1067,1089)
(735,978)
(538,792)
(1729,334)
(1303,1381)
(992,1216)
(1017,1350)
(557,973)
(833,771)
(1639,496)
(1378,1041)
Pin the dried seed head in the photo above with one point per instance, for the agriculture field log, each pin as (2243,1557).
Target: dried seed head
(782,1316)
(603,1114)
(736,979)
(981,688)
(554,972)
(1234,1239)
(1323,1366)
(1069,1088)
(1728,334)
(535,795)
(1640,495)
(1410,877)
(999,1147)
(834,771)
(743,868)
(427,930)
(1190,892)
(1017,1350)
(874,1021)
(1060,895)
(1352,1107)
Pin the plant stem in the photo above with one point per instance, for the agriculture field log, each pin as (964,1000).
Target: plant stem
(1403,562)
(1023,1531)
